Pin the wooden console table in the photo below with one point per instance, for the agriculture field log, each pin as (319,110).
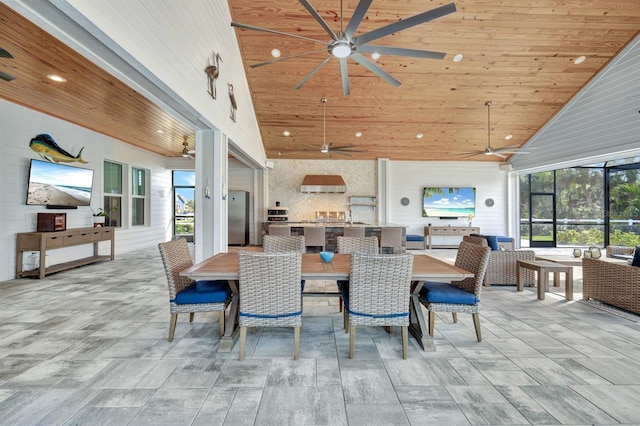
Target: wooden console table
(451,231)
(43,241)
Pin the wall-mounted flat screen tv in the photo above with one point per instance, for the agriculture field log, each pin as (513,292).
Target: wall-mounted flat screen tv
(59,186)
(441,201)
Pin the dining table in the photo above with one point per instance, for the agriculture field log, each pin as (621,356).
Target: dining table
(224,266)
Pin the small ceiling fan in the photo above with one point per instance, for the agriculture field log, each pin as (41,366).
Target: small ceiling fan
(344,45)
(186,152)
(5,54)
(498,152)
(329,148)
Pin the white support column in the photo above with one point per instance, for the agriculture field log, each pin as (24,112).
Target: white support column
(211,235)
(383,190)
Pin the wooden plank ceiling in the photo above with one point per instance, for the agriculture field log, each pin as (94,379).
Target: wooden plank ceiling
(519,54)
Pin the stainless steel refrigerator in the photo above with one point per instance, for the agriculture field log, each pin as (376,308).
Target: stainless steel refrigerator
(238,218)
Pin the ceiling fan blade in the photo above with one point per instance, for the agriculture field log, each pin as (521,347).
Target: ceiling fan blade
(375,69)
(405,23)
(313,71)
(318,18)
(273,61)
(344,146)
(267,30)
(6,77)
(344,73)
(347,150)
(357,17)
(5,54)
(497,154)
(399,51)
(344,153)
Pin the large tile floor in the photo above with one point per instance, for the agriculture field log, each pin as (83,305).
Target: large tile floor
(89,346)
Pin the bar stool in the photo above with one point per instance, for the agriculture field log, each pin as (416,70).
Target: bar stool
(279,230)
(314,237)
(391,237)
(353,231)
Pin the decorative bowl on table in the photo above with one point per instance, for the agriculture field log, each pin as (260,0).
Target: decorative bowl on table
(326,256)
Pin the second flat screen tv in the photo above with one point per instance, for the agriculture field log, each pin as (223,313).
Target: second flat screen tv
(448,202)
(58,185)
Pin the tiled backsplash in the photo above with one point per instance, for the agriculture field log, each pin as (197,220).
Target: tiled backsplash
(286,176)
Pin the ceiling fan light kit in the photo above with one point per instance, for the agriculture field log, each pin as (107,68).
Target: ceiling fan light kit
(344,44)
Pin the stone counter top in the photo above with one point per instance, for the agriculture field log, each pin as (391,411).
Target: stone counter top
(374,224)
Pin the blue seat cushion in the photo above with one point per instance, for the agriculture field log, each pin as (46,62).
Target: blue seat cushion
(412,237)
(492,241)
(636,257)
(435,292)
(503,239)
(204,292)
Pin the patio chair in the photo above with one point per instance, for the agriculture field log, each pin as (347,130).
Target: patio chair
(502,268)
(279,230)
(459,296)
(378,294)
(282,243)
(353,231)
(270,294)
(391,238)
(349,245)
(314,236)
(187,295)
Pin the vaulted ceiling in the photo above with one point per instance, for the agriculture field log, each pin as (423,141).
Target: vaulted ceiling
(519,54)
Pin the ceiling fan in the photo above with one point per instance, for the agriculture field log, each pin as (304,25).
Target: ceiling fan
(329,148)
(186,152)
(498,152)
(5,54)
(344,45)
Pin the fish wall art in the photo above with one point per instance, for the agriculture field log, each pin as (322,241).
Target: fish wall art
(48,149)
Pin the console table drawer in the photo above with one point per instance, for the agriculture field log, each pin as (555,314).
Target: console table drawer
(97,235)
(55,242)
(77,238)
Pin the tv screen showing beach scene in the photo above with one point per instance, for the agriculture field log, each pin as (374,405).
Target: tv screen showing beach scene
(448,201)
(54,184)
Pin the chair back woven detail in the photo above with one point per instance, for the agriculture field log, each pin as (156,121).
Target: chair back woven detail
(391,237)
(279,230)
(379,289)
(269,289)
(176,257)
(473,258)
(282,244)
(348,245)
(353,231)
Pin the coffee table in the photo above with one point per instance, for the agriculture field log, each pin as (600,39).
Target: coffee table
(543,268)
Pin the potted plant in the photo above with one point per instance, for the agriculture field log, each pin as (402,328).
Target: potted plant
(99,217)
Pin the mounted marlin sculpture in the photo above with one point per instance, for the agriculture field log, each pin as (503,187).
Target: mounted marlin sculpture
(48,149)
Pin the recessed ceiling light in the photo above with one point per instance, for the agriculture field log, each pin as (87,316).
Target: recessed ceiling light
(275,53)
(508,137)
(579,60)
(56,78)
(420,136)
(358,134)
(159,131)
(286,133)
(375,56)
(458,57)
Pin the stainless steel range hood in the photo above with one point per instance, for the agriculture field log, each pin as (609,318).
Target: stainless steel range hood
(323,183)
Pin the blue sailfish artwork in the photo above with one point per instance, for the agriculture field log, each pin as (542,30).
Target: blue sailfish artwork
(48,149)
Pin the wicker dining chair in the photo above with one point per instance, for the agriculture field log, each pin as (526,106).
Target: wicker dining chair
(348,245)
(459,296)
(187,295)
(270,294)
(378,294)
(283,243)
(391,238)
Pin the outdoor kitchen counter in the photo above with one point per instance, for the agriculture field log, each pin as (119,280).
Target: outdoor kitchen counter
(336,229)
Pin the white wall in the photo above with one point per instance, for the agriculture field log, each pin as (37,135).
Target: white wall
(408,178)
(17,126)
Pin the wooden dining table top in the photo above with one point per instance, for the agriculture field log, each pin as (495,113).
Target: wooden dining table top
(224,266)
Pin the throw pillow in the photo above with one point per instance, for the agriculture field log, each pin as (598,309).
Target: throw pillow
(492,240)
(636,257)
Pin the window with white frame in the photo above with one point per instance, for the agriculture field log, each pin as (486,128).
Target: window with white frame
(113,192)
(139,199)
